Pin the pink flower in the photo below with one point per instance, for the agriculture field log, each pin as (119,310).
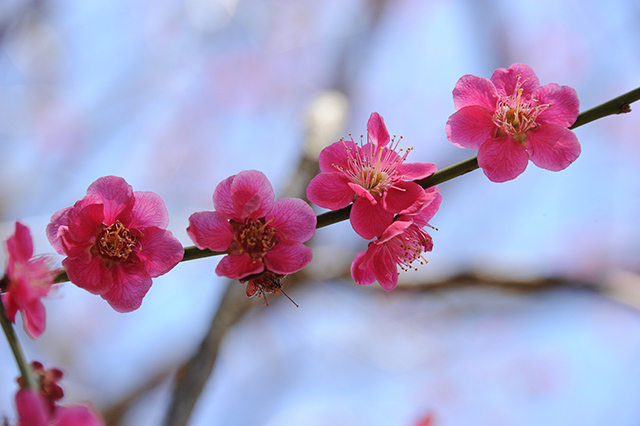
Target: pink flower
(26,281)
(33,411)
(375,175)
(39,408)
(511,119)
(401,244)
(115,241)
(258,233)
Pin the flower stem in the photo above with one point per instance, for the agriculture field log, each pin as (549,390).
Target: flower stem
(193,252)
(25,369)
(619,105)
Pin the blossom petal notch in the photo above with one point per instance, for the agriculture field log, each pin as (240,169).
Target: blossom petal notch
(263,238)
(115,241)
(372,175)
(400,245)
(510,119)
(26,281)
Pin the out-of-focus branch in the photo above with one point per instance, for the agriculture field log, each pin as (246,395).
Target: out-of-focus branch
(193,375)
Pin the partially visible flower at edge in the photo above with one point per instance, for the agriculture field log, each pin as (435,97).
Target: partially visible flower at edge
(401,244)
(511,119)
(40,408)
(26,281)
(373,174)
(115,241)
(260,235)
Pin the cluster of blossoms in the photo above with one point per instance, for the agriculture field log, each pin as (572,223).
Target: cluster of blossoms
(387,204)
(115,239)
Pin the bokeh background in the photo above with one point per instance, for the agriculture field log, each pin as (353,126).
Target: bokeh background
(176,95)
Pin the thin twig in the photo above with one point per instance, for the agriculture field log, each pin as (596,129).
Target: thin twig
(18,354)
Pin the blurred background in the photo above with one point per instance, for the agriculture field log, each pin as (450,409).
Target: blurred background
(527,312)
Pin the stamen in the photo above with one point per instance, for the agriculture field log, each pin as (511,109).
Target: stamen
(408,247)
(515,116)
(116,242)
(254,237)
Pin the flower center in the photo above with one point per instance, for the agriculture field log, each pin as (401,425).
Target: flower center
(116,242)
(408,247)
(254,237)
(515,116)
(374,167)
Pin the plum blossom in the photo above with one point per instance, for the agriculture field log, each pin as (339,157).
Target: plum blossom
(263,238)
(115,241)
(373,174)
(40,408)
(27,280)
(511,119)
(400,245)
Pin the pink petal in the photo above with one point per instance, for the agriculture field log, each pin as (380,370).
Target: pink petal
(85,223)
(385,270)
(77,415)
(10,306)
(564,105)
(149,210)
(160,251)
(426,214)
(502,159)
(552,147)
(393,230)
(368,220)
(335,156)
(404,198)
(330,190)
(81,251)
(58,220)
(287,257)
(20,245)
(293,218)
(247,194)
(471,90)
(130,284)
(415,171)
(93,276)
(377,131)
(222,201)
(116,196)
(506,80)
(361,272)
(32,408)
(470,127)
(33,317)
(362,192)
(252,194)
(210,230)
(237,267)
